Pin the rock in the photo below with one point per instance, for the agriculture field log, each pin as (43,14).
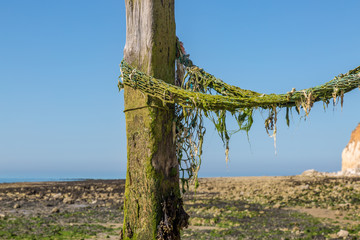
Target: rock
(350,172)
(333,236)
(338,213)
(56,195)
(342,234)
(278,205)
(2,215)
(351,153)
(304,187)
(311,173)
(344,206)
(55,210)
(16,206)
(68,200)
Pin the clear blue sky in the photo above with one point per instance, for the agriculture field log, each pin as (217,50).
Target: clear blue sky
(61,113)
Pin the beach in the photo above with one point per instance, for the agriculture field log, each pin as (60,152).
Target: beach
(290,207)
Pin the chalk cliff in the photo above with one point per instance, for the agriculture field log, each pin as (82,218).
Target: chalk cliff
(351,153)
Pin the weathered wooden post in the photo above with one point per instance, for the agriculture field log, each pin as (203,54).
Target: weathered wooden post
(153,206)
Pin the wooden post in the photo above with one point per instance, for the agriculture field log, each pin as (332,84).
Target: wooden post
(153,206)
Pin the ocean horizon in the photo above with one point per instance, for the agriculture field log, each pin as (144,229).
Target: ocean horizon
(68,179)
(17,180)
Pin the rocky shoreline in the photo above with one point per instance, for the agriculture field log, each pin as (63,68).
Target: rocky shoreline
(309,206)
(106,193)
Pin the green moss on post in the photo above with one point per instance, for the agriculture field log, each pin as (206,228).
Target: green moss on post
(153,206)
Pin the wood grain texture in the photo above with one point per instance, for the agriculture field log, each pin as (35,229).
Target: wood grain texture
(152,180)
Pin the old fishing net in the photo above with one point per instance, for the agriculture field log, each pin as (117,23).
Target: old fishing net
(197,93)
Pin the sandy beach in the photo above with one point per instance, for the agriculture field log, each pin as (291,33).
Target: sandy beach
(292,207)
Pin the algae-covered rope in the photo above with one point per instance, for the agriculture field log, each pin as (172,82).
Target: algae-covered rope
(193,98)
(232,98)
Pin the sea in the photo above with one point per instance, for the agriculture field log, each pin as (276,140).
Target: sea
(122,176)
(17,180)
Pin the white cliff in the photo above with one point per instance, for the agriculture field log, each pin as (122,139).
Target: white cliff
(351,153)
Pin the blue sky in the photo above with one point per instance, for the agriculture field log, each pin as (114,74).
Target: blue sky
(61,113)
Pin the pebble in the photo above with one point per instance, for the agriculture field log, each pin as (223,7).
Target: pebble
(68,200)
(16,206)
(55,210)
(338,213)
(57,195)
(304,187)
(343,233)
(278,205)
